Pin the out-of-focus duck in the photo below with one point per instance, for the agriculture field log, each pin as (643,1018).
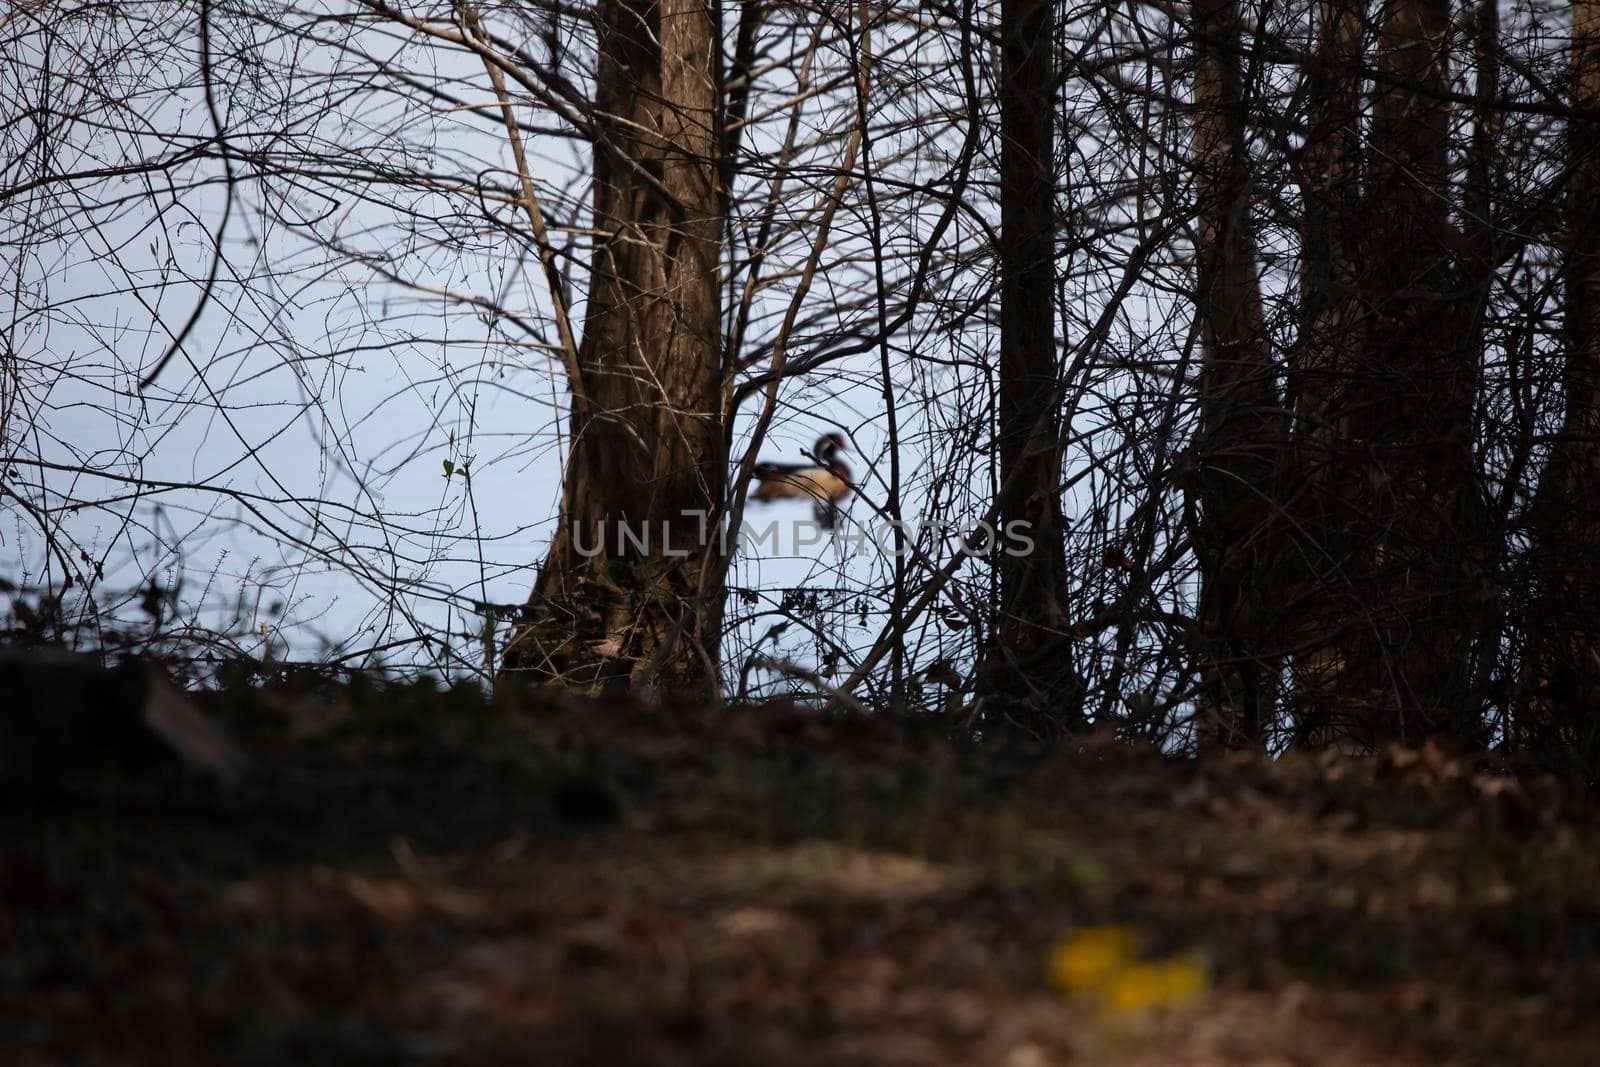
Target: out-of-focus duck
(826,483)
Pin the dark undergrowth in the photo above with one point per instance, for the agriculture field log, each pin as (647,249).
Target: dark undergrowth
(417,874)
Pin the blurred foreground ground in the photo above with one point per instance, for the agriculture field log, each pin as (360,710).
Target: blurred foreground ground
(410,877)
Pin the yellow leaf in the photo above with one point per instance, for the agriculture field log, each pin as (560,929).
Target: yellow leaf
(1160,984)
(1088,958)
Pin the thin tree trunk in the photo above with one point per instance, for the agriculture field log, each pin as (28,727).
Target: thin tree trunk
(1239,450)
(1485,164)
(647,456)
(1030,667)
(1561,663)
(1483,197)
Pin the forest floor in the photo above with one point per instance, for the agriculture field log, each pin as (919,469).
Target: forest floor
(409,877)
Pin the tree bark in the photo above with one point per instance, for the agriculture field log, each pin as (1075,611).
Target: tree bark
(1029,664)
(1323,375)
(1416,417)
(1401,517)
(1238,452)
(619,599)
(1561,663)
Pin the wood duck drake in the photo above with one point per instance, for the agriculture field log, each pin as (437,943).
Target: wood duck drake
(825,483)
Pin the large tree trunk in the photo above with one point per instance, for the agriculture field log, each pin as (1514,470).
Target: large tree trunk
(1421,516)
(1239,450)
(1397,511)
(1562,659)
(648,452)
(1323,376)
(1030,668)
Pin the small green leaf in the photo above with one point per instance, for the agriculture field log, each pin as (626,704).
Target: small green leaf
(449,468)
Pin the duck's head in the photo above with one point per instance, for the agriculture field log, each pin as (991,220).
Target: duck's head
(828,445)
